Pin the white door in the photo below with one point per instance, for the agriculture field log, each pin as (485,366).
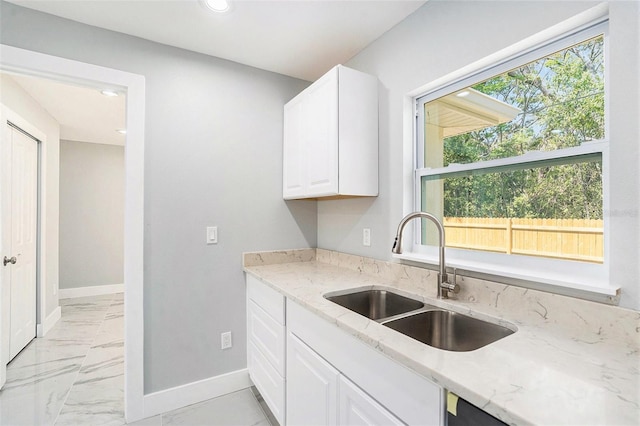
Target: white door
(20,195)
(312,386)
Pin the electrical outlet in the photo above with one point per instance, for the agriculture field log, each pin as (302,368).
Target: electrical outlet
(225,340)
(366,237)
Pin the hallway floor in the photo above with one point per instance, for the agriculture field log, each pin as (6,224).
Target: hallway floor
(75,376)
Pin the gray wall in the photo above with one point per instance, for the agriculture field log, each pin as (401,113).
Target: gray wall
(213,156)
(91,214)
(442,37)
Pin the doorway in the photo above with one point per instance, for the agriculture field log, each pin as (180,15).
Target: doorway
(33,63)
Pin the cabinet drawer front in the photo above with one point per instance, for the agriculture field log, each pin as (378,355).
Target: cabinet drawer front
(269,383)
(266,334)
(267,298)
(358,408)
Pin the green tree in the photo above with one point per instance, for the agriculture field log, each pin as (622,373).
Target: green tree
(561,98)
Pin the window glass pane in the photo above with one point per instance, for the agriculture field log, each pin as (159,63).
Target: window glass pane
(552,103)
(550,210)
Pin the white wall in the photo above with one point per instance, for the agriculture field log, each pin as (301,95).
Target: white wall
(213,157)
(91,214)
(19,101)
(442,37)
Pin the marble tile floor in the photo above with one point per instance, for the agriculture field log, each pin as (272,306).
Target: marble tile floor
(75,376)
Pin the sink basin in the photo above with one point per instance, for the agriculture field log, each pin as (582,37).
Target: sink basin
(448,330)
(376,304)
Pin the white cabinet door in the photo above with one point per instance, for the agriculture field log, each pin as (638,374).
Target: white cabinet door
(356,408)
(294,173)
(321,118)
(312,386)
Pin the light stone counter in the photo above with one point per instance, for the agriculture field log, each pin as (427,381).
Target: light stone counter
(571,362)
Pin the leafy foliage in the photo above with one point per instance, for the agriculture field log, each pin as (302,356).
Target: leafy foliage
(561,98)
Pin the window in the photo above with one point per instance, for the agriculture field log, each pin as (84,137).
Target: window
(514,159)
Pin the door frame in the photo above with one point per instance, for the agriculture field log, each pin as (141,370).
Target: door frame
(27,62)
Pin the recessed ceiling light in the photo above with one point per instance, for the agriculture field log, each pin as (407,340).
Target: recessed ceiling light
(463,94)
(109,93)
(219,6)
(122,131)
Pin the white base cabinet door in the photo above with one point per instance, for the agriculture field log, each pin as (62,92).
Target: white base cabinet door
(317,394)
(312,386)
(356,408)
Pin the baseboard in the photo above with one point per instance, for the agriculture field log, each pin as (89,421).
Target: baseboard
(192,393)
(49,322)
(93,290)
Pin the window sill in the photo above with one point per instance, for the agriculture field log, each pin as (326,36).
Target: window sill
(528,278)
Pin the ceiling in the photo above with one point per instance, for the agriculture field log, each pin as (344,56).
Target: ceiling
(298,38)
(84,114)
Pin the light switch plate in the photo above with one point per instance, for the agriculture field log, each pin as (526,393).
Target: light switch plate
(212,235)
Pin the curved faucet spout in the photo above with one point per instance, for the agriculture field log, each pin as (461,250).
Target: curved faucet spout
(397,244)
(443,284)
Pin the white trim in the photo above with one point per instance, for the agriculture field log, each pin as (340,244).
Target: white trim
(93,290)
(49,322)
(13,59)
(530,160)
(192,393)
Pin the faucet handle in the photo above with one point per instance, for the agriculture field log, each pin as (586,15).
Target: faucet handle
(452,287)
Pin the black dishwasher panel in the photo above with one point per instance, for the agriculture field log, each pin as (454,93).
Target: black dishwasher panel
(470,415)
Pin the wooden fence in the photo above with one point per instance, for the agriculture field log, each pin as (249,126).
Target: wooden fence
(575,239)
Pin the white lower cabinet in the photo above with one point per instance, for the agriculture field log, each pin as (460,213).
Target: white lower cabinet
(310,372)
(317,394)
(333,378)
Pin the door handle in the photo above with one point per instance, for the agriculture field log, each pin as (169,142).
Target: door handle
(12,261)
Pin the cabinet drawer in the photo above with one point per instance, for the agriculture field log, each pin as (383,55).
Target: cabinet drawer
(269,383)
(266,334)
(266,297)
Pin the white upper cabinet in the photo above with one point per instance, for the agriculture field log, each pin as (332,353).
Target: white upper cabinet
(331,137)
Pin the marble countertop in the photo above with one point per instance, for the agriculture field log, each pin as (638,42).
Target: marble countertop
(571,362)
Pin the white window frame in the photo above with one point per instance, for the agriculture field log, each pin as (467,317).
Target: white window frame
(574,278)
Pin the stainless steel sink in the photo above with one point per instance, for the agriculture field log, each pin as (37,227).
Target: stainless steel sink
(448,330)
(376,304)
